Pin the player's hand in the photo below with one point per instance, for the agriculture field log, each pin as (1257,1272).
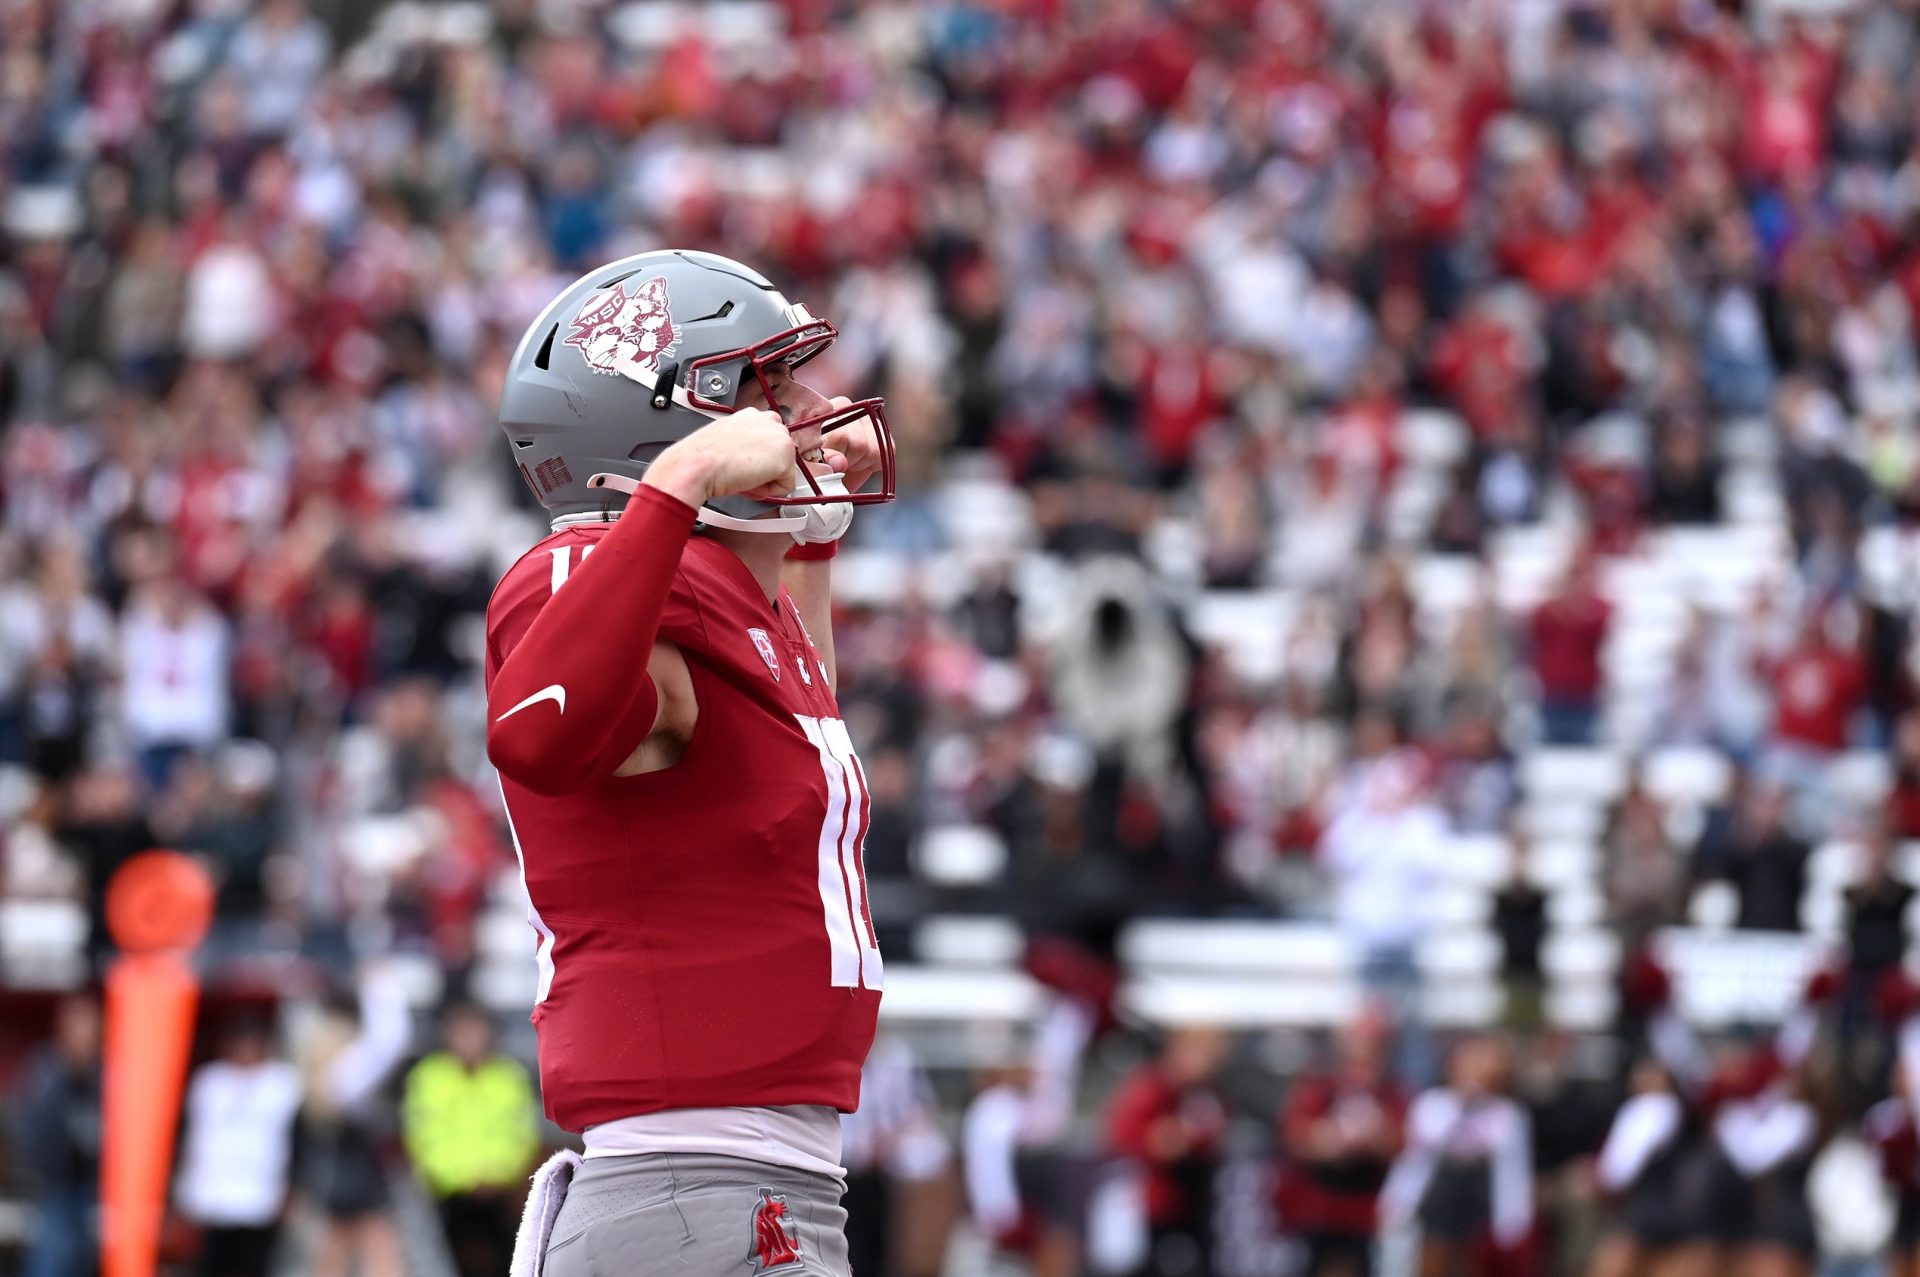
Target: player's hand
(748,452)
(857,445)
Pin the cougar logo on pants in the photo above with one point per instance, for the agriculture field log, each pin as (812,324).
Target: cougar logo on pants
(775,1243)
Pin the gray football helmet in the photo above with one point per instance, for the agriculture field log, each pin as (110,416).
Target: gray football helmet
(643,352)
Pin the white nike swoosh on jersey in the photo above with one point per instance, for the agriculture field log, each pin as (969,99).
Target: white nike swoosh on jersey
(551,692)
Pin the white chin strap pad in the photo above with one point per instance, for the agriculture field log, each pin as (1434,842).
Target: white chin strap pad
(828,521)
(788,523)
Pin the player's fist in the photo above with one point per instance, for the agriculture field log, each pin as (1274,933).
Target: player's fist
(858,443)
(748,451)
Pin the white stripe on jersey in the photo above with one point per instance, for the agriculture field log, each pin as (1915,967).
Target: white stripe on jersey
(543,951)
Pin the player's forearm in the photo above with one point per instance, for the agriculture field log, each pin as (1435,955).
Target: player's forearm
(809,584)
(572,700)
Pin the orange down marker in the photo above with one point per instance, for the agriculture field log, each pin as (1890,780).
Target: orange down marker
(158,908)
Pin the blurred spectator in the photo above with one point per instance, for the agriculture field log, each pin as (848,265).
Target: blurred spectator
(1340,1131)
(1686,479)
(469,1118)
(1169,1117)
(173,657)
(1383,849)
(896,1155)
(1645,875)
(1466,1175)
(1820,685)
(1567,633)
(236,1153)
(1878,908)
(1010,1154)
(1520,921)
(1905,800)
(57,1134)
(348,1056)
(1748,844)
(1476,770)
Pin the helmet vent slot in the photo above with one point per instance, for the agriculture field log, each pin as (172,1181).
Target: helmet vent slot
(545,355)
(523,443)
(726,308)
(605,284)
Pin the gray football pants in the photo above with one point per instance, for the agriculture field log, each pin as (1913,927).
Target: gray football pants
(687,1215)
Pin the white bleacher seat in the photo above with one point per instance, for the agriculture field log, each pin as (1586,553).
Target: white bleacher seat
(1754,441)
(933,993)
(506,986)
(1483,860)
(1412,502)
(1558,862)
(1249,626)
(1445,584)
(1459,905)
(1430,438)
(959,940)
(1730,977)
(1579,954)
(870,577)
(1167,945)
(1557,774)
(1823,914)
(1044,583)
(1583,1008)
(506,934)
(1562,819)
(1450,955)
(1858,780)
(1906,863)
(1463,1003)
(1836,864)
(1577,904)
(1696,775)
(42,943)
(986,512)
(960,855)
(1714,906)
(1245,1002)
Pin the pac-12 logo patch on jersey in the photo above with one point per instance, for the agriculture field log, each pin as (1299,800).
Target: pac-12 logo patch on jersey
(764,645)
(620,327)
(775,1243)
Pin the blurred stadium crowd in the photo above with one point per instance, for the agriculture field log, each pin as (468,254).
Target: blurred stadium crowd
(1407,524)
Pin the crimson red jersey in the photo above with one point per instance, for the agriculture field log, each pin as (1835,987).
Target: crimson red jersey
(704,934)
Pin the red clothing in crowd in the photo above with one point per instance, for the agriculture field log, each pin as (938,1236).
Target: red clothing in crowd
(1817,688)
(1338,1196)
(1144,1100)
(1568,631)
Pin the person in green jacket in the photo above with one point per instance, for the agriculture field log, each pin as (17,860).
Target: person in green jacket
(470,1122)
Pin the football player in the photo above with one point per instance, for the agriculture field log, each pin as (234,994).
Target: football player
(686,804)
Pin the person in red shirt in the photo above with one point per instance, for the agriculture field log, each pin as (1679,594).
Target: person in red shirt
(1339,1133)
(685,800)
(1818,685)
(1568,632)
(1168,1115)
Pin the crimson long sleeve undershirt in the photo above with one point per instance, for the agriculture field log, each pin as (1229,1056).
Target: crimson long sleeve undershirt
(591,641)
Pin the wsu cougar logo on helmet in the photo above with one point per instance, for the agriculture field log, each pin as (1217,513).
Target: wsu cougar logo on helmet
(620,327)
(775,1243)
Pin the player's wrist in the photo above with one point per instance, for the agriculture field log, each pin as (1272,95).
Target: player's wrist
(683,473)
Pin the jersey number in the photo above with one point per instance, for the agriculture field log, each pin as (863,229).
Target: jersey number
(843,875)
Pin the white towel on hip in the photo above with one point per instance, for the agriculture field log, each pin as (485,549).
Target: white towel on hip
(549,1191)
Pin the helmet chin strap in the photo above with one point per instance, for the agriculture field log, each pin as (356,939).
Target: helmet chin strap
(787,523)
